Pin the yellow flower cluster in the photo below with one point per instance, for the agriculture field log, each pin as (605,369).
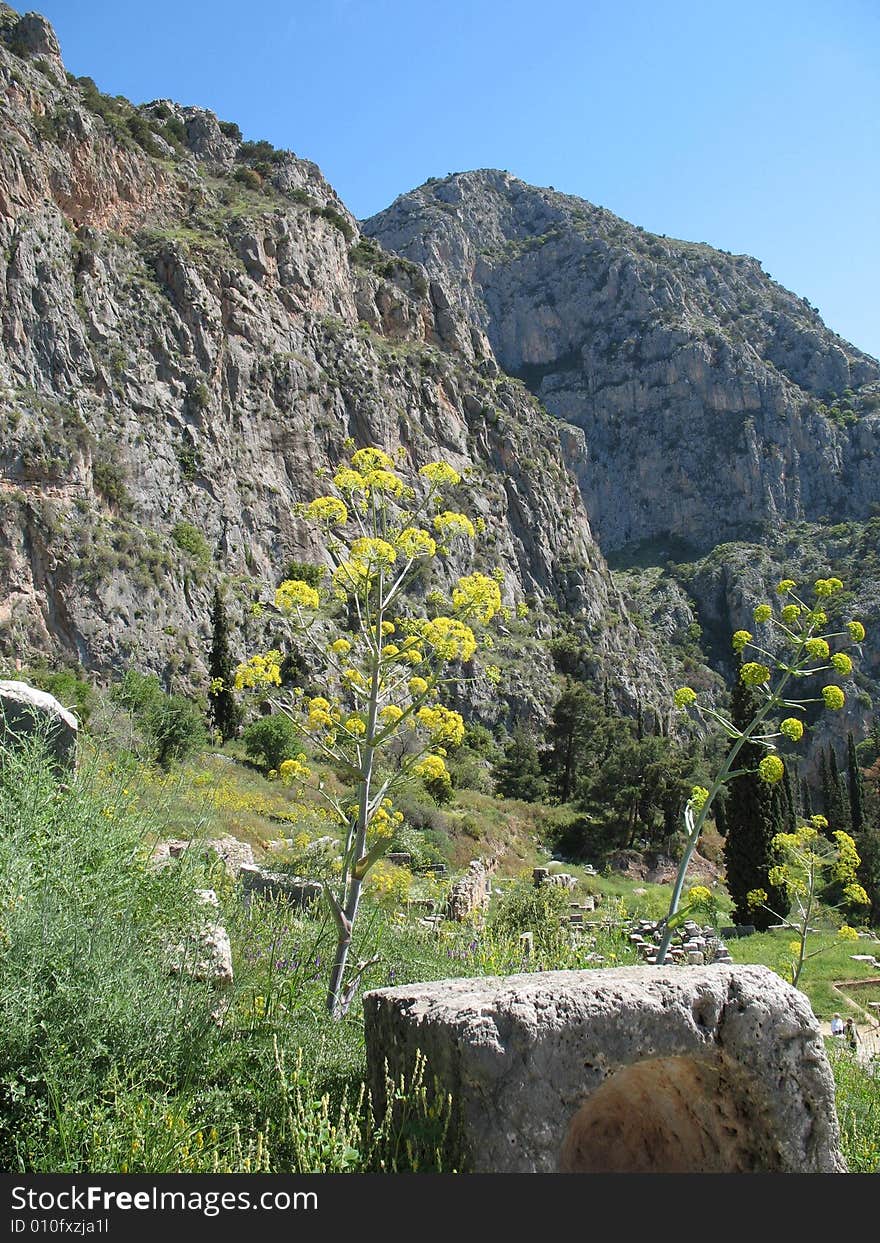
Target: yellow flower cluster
(374,554)
(390,714)
(366,460)
(740,639)
(295,594)
(451,524)
(341,647)
(431,767)
(259,671)
(771,769)
(445,726)
(291,771)
(817,649)
(762,613)
(699,797)
(828,586)
(440,474)
(792,728)
(684,696)
(477,595)
(834,697)
(449,638)
(754,674)
(415,542)
(328,509)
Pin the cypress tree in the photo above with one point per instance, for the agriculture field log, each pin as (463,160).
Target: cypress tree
(838,811)
(752,817)
(856,790)
(224,711)
(806,799)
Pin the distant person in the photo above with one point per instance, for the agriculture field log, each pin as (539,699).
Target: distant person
(837,1028)
(852,1035)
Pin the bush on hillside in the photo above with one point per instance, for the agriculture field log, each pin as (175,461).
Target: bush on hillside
(171,726)
(271,740)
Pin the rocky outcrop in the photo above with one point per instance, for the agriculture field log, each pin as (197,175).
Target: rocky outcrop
(190,328)
(630,1070)
(702,399)
(28,715)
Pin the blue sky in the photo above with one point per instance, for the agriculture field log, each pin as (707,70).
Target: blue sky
(749,125)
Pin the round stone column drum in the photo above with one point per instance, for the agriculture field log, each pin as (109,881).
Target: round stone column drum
(636,1070)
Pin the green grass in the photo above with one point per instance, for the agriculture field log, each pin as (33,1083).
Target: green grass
(109,1062)
(832,964)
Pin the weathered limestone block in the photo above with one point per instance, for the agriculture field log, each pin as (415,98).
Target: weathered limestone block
(472,893)
(26,711)
(707,1069)
(207,955)
(259,882)
(234,854)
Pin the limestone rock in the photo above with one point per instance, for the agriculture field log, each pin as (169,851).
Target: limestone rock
(297,890)
(26,712)
(638,1069)
(471,894)
(207,955)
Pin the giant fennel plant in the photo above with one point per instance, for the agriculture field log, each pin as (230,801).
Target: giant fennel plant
(387,659)
(800,644)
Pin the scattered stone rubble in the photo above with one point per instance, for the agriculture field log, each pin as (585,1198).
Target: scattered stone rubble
(207,954)
(691,944)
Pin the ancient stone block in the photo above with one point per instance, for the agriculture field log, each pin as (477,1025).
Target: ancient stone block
(703,1069)
(26,712)
(258,882)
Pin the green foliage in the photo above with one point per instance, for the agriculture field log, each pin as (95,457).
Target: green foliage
(87,1003)
(518,773)
(858,1109)
(751,822)
(271,740)
(229,129)
(108,476)
(525,907)
(306,572)
(224,710)
(171,726)
(248,177)
(190,540)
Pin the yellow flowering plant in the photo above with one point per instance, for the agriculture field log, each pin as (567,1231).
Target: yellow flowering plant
(800,647)
(806,862)
(386,665)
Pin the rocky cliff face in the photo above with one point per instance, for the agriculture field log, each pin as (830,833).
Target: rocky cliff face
(704,401)
(190,328)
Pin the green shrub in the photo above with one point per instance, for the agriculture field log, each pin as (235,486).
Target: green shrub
(190,540)
(271,740)
(306,572)
(249,178)
(87,1001)
(171,726)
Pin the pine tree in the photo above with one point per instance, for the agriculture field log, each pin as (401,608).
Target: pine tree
(224,710)
(855,788)
(518,774)
(752,819)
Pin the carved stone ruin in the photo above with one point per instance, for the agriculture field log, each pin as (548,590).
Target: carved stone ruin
(708,1069)
(472,893)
